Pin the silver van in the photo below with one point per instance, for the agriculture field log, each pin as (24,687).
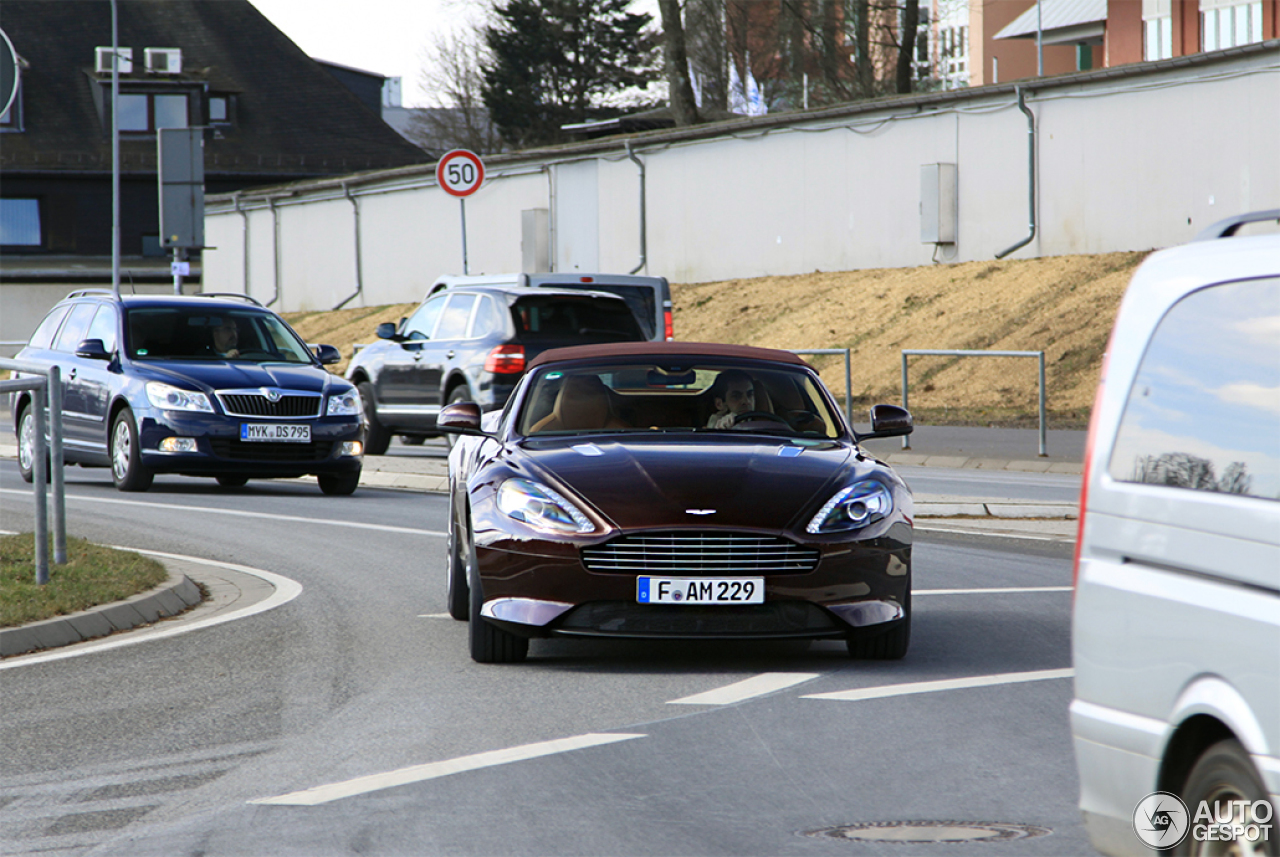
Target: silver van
(1176,625)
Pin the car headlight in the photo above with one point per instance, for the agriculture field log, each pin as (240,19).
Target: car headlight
(856,506)
(169,398)
(344,404)
(541,508)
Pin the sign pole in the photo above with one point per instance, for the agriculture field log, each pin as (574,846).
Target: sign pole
(462,201)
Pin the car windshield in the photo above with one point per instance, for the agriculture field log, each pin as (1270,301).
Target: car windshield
(585,318)
(181,333)
(677,395)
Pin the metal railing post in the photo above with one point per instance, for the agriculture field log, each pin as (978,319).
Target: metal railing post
(54,393)
(38,478)
(1039,355)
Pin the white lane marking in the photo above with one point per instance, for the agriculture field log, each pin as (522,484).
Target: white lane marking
(945,684)
(994,534)
(1002,590)
(432,770)
(746,689)
(285,591)
(330,522)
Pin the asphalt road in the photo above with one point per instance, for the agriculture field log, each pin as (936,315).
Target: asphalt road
(163,748)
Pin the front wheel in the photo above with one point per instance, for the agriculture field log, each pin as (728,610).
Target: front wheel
(1224,776)
(27,444)
(339,484)
(489,643)
(889,646)
(126,455)
(376,436)
(232,481)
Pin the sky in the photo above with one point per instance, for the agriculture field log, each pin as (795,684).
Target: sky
(388,37)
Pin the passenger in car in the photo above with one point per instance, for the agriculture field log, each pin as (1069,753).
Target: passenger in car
(583,404)
(733,393)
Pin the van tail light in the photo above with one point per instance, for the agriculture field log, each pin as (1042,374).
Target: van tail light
(505,360)
(667,329)
(1090,440)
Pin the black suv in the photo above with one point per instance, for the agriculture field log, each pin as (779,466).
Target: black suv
(471,344)
(201,386)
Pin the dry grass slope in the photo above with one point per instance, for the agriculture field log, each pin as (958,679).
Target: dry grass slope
(1063,305)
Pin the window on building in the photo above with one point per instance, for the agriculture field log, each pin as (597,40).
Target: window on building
(1157,38)
(146,112)
(20,222)
(1224,24)
(219,110)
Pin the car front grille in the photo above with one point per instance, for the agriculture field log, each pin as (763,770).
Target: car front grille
(238,450)
(288,406)
(700,554)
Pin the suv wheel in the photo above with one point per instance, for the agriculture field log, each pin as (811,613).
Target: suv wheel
(376,436)
(126,455)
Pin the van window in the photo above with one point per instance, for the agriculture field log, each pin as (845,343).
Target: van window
(1204,410)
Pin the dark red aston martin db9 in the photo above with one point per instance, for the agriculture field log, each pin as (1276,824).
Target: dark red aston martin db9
(675,490)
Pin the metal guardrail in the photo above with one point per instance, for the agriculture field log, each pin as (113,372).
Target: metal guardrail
(848,379)
(1039,355)
(47,386)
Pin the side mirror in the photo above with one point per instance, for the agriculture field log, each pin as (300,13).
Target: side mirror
(386,330)
(328,355)
(889,421)
(93,349)
(460,418)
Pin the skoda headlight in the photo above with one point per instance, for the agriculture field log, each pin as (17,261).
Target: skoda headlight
(856,506)
(344,404)
(169,398)
(541,508)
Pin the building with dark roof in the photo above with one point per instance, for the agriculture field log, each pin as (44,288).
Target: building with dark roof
(272,115)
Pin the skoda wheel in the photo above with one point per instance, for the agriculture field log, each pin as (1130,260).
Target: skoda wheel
(126,455)
(27,445)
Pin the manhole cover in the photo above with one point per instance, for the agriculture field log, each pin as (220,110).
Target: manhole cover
(930,831)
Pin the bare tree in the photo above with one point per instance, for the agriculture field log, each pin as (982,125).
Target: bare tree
(453,77)
(676,65)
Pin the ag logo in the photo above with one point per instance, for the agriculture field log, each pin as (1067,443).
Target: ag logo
(1161,820)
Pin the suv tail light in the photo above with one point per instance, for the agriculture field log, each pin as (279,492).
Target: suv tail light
(505,360)
(667,329)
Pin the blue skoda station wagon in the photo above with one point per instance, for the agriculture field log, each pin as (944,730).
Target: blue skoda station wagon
(213,386)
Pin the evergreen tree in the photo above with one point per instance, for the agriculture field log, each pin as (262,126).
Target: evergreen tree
(558,62)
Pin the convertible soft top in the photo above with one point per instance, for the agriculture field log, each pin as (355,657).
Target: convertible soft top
(666,349)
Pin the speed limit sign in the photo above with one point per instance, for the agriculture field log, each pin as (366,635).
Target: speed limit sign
(460,173)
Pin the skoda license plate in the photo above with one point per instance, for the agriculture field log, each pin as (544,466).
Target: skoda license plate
(700,590)
(278,432)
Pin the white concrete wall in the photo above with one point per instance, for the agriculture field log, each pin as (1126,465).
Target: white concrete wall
(1123,163)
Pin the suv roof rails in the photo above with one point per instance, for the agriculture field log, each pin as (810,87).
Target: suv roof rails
(1226,228)
(237,295)
(79,293)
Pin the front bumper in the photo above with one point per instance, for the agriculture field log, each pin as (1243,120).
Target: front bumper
(542,588)
(219,450)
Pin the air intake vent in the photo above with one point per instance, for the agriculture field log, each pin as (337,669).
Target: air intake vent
(164,60)
(102,60)
(701,554)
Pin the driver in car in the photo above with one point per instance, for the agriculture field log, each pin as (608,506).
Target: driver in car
(225,338)
(734,393)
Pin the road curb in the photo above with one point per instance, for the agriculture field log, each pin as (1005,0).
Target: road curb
(176,595)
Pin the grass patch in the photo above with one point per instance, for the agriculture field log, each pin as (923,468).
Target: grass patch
(92,575)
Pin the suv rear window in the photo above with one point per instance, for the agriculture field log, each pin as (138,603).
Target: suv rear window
(585,318)
(1205,404)
(639,298)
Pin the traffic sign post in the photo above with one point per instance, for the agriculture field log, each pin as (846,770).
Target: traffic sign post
(460,173)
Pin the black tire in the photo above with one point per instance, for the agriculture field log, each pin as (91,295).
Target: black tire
(339,484)
(376,436)
(412,439)
(489,643)
(1224,772)
(232,481)
(890,646)
(126,455)
(27,445)
(457,572)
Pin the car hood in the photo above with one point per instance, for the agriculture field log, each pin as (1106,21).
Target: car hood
(749,482)
(225,375)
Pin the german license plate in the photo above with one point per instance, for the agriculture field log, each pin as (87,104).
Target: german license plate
(278,432)
(700,590)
